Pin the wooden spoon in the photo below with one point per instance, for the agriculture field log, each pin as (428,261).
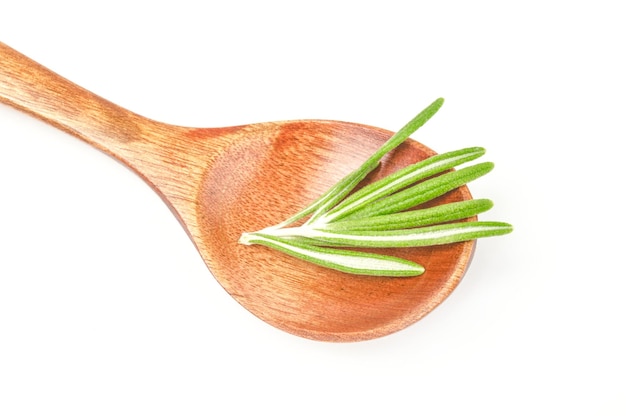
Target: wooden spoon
(220,182)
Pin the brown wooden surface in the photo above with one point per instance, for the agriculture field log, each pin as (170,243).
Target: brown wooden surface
(220,182)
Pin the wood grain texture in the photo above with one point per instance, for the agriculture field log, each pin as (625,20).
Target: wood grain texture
(220,182)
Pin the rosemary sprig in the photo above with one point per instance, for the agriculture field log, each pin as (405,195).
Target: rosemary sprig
(386,213)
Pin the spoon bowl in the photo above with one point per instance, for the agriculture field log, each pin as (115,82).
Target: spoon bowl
(220,182)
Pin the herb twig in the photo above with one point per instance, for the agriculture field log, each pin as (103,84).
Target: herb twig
(387,213)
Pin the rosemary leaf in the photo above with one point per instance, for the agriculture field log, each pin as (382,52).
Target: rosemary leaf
(337,192)
(347,261)
(408,129)
(401,179)
(348,183)
(423,191)
(330,197)
(415,237)
(417,218)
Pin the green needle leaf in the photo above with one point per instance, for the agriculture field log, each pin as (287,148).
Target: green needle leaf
(330,197)
(401,179)
(348,183)
(423,191)
(404,133)
(415,237)
(417,218)
(347,261)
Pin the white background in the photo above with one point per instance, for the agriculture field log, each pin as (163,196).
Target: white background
(106,309)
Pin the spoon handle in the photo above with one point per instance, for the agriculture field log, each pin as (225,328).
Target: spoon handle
(29,86)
